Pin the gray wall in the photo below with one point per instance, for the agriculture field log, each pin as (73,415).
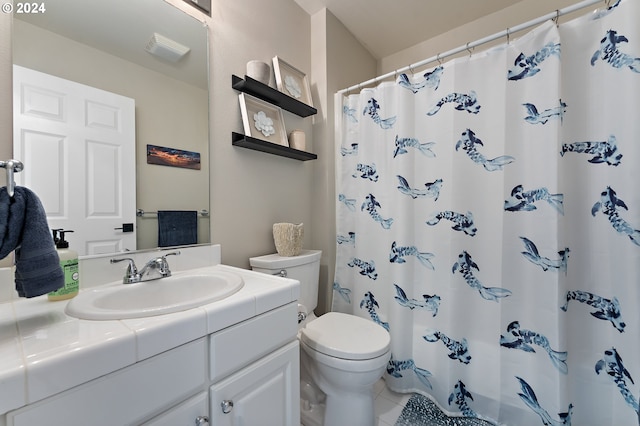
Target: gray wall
(338,61)
(520,12)
(158,187)
(251,190)
(6,102)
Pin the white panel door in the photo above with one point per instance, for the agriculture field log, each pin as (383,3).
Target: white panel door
(77,144)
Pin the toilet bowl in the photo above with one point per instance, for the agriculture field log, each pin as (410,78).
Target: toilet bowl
(345,356)
(341,356)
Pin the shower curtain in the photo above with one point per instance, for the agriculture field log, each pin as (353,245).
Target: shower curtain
(488,216)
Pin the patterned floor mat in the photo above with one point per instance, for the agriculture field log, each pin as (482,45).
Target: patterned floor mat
(421,411)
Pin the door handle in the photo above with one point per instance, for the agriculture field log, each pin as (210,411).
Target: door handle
(126,227)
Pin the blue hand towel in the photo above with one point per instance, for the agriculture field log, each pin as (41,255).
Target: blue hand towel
(24,228)
(177,227)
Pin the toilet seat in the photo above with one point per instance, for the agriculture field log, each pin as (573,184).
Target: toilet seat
(345,336)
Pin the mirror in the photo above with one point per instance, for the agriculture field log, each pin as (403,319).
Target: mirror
(102,44)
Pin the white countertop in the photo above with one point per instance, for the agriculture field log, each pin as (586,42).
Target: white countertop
(43,351)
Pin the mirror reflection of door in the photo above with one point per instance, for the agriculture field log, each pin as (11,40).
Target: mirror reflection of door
(78,146)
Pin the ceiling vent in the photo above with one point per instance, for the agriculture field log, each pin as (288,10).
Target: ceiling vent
(166,48)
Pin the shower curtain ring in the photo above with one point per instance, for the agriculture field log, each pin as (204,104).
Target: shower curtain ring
(508,35)
(469,50)
(438,59)
(557,18)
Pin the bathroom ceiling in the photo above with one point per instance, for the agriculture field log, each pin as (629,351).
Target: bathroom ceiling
(124,27)
(385,27)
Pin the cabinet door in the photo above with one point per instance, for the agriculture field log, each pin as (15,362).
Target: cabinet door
(185,414)
(125,397)
(266,393)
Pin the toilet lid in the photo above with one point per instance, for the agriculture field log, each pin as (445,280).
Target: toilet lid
(346,336)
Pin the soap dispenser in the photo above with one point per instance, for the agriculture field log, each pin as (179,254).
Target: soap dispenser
(69,264)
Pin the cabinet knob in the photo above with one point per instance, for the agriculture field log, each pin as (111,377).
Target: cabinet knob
(202,421)
(226,406)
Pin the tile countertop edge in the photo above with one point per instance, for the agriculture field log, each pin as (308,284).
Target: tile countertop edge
(56,345)
(12,363)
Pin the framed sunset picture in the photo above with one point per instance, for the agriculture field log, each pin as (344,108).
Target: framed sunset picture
(173,157)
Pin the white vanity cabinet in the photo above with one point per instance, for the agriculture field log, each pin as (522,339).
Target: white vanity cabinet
(166,370)
(255,370)
(253,365)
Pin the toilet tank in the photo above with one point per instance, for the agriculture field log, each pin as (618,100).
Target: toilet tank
(305,268)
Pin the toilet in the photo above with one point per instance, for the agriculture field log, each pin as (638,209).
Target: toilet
(342,356)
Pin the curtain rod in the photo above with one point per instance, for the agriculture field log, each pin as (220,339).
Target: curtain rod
(471,45)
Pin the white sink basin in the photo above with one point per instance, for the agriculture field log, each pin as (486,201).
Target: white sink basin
(182,291)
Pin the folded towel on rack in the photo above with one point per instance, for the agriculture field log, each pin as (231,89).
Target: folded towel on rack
(177,227)
(24,229)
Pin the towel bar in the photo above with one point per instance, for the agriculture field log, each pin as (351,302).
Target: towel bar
(12,166)
(141,213)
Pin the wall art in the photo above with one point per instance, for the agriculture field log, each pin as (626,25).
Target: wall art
(262,120)
(292,81)
(173,157)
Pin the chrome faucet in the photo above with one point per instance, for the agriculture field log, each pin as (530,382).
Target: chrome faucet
(156,268)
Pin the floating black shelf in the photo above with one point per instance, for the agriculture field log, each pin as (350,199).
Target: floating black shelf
(271,95)
(271,148)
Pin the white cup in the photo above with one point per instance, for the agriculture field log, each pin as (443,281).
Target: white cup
(259,70)
(297,140)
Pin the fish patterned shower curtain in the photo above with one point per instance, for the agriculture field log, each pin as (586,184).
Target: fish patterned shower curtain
(488,216)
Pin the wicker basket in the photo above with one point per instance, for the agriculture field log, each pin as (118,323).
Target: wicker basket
(288,238)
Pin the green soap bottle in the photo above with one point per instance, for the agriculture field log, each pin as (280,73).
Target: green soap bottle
(69,264)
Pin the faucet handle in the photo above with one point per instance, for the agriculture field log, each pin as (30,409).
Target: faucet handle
(164,265)
(173,253)
(131,275)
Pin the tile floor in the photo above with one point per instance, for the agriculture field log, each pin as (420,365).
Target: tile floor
(388,404)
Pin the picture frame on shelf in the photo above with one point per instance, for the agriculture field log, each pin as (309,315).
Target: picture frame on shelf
(262,120)
(291,81)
